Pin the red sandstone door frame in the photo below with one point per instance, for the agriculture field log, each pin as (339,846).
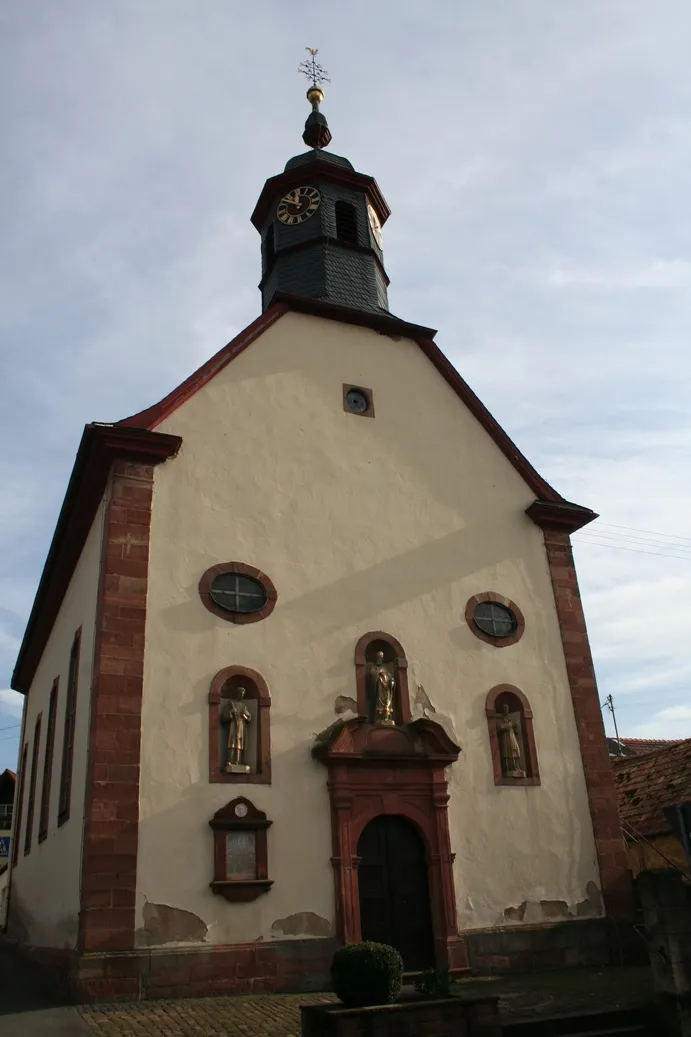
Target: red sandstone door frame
(361,788)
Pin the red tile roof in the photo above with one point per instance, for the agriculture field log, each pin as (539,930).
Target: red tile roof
(649,782)
(646,745)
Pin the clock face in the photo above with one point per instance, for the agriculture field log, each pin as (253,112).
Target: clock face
(298,205)
(375,226)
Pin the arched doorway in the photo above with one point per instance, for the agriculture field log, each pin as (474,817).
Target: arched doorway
(394,890)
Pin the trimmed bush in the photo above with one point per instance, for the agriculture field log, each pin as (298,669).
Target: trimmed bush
(367,974)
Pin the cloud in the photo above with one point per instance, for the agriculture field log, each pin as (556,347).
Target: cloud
(11,702)
(671,722)
(656,273)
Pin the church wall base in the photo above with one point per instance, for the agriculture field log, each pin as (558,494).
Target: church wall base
(302,966)
(286,966)
(557,945)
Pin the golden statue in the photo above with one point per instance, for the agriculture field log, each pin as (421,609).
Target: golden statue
(384,685)
(238,717)
(509,745)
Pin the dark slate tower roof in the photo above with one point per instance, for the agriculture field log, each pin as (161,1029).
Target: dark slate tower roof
(320,224)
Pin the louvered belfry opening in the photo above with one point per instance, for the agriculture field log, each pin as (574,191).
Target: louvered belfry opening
(269,248)
(346,223)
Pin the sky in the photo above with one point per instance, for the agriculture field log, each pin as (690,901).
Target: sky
(535,156)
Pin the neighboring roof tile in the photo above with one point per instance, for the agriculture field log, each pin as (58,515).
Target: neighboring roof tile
(649,782)
(646,745)
(638,746)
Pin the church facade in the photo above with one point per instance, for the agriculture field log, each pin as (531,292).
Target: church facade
(308,663)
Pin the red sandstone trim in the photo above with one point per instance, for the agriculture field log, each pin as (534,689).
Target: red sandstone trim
(386,325)
(402,693)
(496,642)
(371,772)
(244,570)
(111,812)
(615,875)
(226,820)
(223,686)
(531,765)
(99,446)
(154,415)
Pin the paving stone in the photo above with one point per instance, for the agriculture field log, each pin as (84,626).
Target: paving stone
(274,1015)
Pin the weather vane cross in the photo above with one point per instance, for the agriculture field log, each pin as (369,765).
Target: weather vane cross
(312,69)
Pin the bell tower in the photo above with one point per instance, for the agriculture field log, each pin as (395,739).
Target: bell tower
(320,222)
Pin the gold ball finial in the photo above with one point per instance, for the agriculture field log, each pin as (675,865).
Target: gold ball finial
(315,93)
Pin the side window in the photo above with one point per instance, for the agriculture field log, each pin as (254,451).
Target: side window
(48,763)
(68,736)
(28,834)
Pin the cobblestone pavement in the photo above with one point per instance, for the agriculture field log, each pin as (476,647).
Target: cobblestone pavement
(275,1015)
(278,1015)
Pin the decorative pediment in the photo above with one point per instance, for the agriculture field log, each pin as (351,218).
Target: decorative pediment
(419,741)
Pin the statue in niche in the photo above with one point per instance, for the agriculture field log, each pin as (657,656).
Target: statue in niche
(383,687)
(509,734)
(238,718)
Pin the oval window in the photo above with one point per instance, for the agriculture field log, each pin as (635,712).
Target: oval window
(235,592)
(494,619)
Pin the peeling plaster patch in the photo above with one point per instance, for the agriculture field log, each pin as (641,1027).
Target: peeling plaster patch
(592,906)
(516,914)
(555,909)
(304,923)
(345,704)
(163,924)
(422,701)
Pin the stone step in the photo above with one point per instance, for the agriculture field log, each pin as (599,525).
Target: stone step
(637,1030)
(629,1022)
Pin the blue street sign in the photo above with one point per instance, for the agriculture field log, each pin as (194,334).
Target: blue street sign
(4,847)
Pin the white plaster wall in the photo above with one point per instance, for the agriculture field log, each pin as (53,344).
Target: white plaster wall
(45,884)
(362,524)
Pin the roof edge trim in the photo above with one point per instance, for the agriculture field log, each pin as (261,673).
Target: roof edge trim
(100,445)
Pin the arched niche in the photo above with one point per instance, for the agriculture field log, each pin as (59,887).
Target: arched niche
(365,652)
(505,703)
(224,686)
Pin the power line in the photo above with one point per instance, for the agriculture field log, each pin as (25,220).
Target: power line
(595,531)
(11,726)
(632,529)
(635,550)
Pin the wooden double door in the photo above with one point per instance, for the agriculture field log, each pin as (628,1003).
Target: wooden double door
(394,890)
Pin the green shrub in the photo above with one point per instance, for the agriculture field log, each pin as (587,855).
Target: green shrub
(435,981)
(367,974)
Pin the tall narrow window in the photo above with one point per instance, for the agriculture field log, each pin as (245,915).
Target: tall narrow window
(20,804)
(68,737)
(32,786)
(346,223)
(48,763)
(269,248)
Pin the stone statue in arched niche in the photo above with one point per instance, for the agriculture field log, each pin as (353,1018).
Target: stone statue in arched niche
(382,684)
(510,742)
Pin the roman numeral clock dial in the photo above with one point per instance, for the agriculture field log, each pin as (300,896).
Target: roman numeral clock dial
(298,205)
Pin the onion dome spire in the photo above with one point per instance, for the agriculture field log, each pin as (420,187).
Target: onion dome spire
(317,133)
